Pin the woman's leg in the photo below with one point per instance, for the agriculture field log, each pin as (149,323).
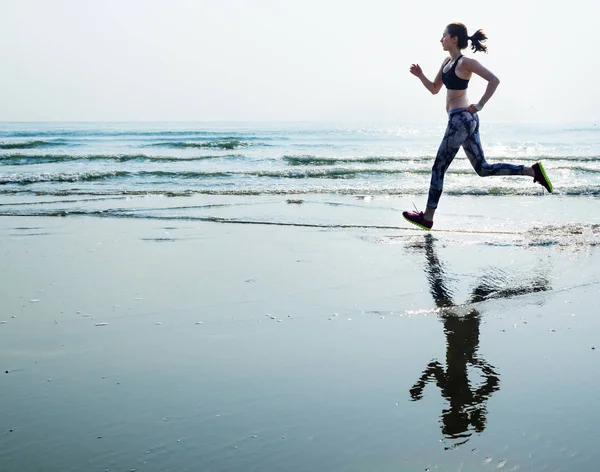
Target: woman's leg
(474,151)
(459,127)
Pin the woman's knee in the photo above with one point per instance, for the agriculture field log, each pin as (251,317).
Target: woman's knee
(483,170)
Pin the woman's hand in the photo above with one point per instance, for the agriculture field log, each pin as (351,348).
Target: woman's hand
(415,70)
(474,108)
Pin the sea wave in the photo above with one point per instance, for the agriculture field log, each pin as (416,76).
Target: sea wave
(342,173)
(25,159)
(310,160)
(107,133)
(579,169)
(218,144)
(17,159)
(25,179)
(334,173)
(33,178)
(31,144)
(356,190)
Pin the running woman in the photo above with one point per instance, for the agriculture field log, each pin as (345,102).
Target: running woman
(463,122)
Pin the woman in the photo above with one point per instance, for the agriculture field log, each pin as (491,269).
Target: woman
(463,122)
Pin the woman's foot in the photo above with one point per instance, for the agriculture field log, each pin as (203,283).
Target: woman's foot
(417,218)
(541,177)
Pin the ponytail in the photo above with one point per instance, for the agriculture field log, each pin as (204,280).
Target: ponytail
(460,31)
(477,39)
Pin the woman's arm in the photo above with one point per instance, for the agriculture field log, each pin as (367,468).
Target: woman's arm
(475,67)
(435,86)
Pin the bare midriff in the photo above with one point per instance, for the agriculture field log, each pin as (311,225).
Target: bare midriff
(456,99)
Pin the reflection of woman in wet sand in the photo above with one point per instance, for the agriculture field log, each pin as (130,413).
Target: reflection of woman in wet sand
(467,404)
(467,407)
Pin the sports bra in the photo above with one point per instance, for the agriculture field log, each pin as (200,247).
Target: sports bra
(451,80)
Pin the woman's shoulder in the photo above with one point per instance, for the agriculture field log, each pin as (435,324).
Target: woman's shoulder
(469,61)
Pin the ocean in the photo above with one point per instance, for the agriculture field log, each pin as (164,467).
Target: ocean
(129,159)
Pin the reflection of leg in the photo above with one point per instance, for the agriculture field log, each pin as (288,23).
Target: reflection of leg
(492,382)
(434,369)
(474,151)
(478,414)
(436,276)
(497,284)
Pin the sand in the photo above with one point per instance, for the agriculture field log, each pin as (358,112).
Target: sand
(155,345)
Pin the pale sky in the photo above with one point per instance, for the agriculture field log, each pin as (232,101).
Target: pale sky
(295,60)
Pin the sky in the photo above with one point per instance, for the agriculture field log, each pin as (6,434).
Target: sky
(268,60)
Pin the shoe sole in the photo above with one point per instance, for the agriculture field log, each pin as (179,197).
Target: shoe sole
(416,224)
(543,171)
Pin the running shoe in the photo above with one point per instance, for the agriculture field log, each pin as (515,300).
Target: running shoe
(417,218)
(541,177)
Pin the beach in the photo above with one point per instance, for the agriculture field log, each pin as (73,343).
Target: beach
(298,332)
(204,260)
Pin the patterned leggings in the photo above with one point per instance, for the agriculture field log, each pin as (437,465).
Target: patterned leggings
(463,130)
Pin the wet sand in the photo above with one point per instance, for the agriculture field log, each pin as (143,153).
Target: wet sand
(191,345)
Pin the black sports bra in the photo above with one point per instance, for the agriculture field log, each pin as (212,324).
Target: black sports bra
(451,80)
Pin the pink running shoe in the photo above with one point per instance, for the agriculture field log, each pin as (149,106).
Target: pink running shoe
(417,218)
(541,177)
